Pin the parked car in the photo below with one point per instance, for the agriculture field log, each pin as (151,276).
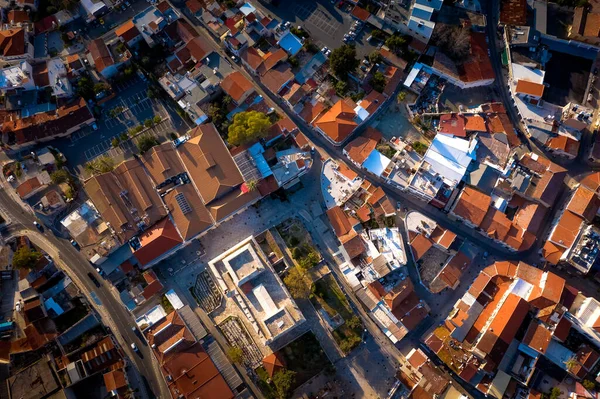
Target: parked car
(134,347)
(74,244)
(94,280)
(38,226)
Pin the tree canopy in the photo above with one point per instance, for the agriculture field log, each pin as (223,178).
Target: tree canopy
(25,258)
(378,82)
(343,61)
(396,43)
(247,126)
(283,381)
(297,283)
(235,354)
(453,40)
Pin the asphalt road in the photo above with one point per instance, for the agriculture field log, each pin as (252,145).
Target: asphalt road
(113,313)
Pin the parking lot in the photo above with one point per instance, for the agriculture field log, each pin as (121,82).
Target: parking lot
(325,23)
(131,108)
(159,131)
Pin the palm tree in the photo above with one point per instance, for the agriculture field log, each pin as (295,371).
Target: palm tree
(252,185)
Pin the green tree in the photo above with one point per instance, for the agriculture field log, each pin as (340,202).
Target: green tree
(247,126)
(297,283)
(419,147)
(85,88)
(401,96)
(252,185)
(115,142)
(235,354)
(99,88)
(396,43)
(25,258)
(293,61)
(590,385)
(145,143)
(378,34)
(378,82)
(148,123)
(375,57)
(341,88)
(99,165)
(157,119)
(354,323)
(283,381)
(60,176)
(343,61)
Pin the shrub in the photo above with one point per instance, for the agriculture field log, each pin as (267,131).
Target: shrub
(296,253)
(60,176)
(115,142)
(419,147)
(294,241)
(145,143)
(293,61)
(157,119)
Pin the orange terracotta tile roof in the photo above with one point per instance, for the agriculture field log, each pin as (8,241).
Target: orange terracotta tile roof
(564,144)
(114,380)
(127,31)
(100,54)
(453,124)
(339,221)
(338,123)
(584,203)
(476,123)
(419,246)
(552,253)
(503,328)
(372,101)
(566,229)
(236,85)
(592,181)
(359,149)
(12,42)
(28,186)
(347,172)
(454,269)
(472,205)
(360,13)
(562,329)
(156,241)
(496,224)
(531,88)
(270,60)
(273,363)
(443,237)
(537,337)
(251,57)
(311,111)
(209,163)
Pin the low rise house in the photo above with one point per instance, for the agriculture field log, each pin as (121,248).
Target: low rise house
(41,127)
(106,59)
(189,371)
(15,45)
(129,34)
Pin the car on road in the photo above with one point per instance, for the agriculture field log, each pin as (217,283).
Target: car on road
(94,126)
(94,280)
(134,347)
(74,244)
(38,226)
